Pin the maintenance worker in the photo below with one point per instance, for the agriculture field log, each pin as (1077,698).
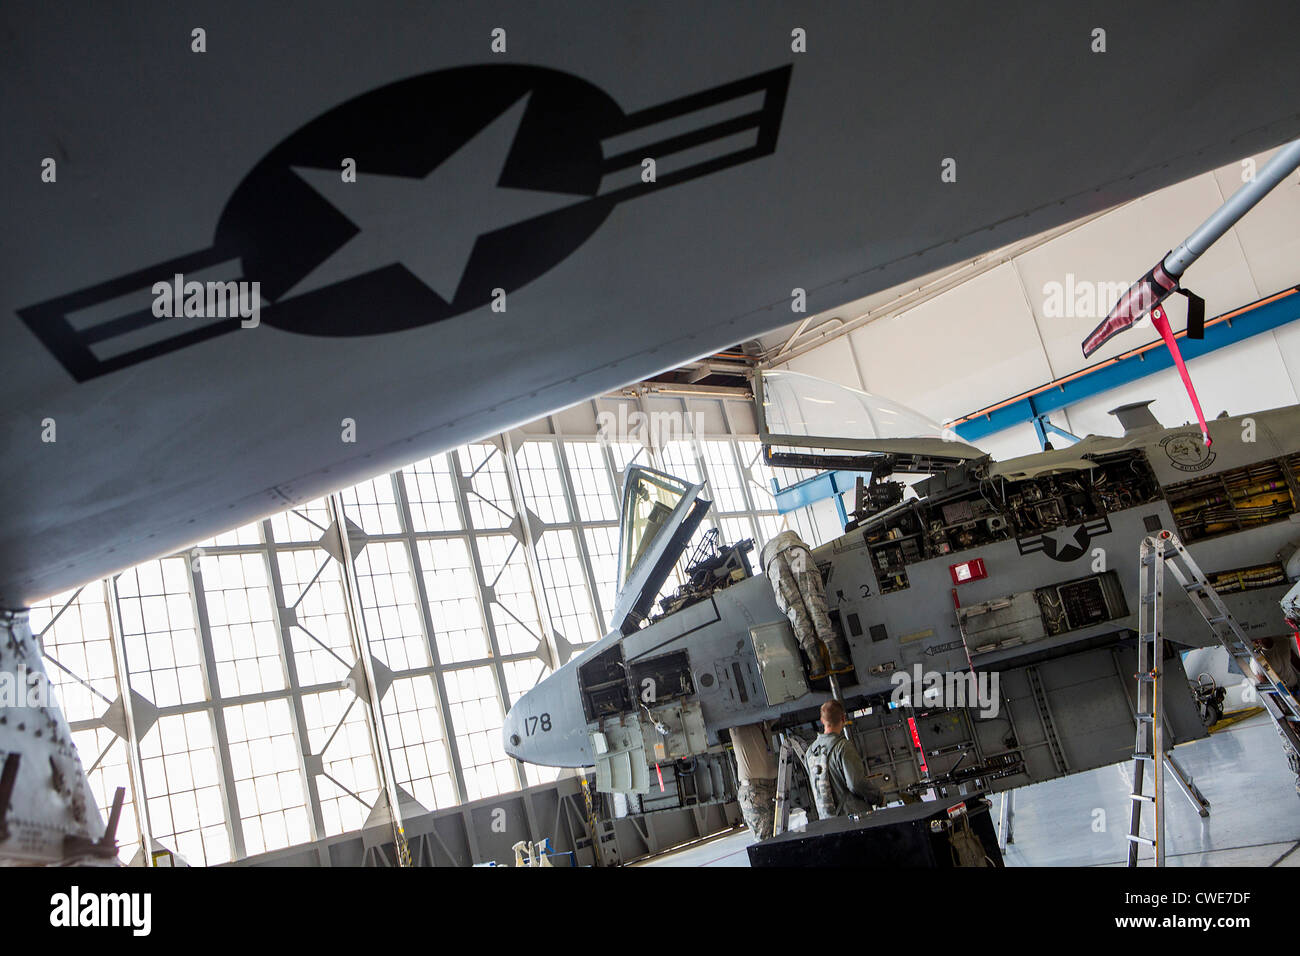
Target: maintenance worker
(835,770)
(797,586)
(756,771)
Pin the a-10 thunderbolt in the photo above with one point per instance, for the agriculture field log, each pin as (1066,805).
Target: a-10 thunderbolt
(1013,583)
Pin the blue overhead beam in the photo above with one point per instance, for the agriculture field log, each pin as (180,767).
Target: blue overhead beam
(828,484)
(1228,329)
(1262,316)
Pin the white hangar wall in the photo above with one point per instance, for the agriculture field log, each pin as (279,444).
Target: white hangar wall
(1013,326)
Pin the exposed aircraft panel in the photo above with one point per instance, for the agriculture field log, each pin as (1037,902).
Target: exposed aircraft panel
(519,171)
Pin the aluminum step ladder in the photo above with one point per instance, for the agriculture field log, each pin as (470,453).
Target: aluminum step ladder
(1148,745)
(1157,552)
(1271,691)
(792,749)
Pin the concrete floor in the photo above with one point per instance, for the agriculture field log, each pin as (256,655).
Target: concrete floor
(1082,820)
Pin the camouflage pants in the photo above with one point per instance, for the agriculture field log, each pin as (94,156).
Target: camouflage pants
(797,586)
(757,799)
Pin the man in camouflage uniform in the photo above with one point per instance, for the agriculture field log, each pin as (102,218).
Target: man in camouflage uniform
(797,586)
(835,769)
(756,771)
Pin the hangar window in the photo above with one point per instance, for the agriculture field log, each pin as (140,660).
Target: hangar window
(316,623)
(602,547)
(307,522)
(372,505)
(476,713)
(159,633)
(268,777)
(512,606)
(488,498)
(565,587)
(431,491)
(387,593)
(458,604)
(453,600)
(178,758)
(418,741)
(348,784)
(597,500)
(539,479)
(245,644)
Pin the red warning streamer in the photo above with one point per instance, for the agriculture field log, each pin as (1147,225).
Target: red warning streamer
(1161,322)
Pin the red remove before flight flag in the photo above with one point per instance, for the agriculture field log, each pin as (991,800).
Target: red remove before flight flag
(1161,322)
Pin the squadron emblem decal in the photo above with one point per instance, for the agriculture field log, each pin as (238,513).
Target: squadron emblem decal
(1188,452)
(468,180)
(1066,543)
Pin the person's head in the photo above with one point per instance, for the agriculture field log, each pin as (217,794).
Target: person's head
(833,716)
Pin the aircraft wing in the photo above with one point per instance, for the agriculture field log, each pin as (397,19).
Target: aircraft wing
(453,226)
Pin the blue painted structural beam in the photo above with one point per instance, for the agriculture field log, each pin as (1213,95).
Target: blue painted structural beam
(1228,329)
(828,484)
(1043,425)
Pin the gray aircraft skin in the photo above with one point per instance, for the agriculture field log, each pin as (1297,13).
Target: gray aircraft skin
(798,146)
(1064,657)
(127,433)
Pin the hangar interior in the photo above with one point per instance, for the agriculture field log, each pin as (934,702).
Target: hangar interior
(259,709)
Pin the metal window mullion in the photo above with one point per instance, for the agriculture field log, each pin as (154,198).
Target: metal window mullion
(229,797)
(374,706)
(417,569)
(301,733)
(738,458)
(571,497)
(701,459)
(655,455)
(532,561)
(471,542)
(134,765)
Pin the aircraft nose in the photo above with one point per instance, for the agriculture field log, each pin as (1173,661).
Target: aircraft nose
(546,725)
(512,734)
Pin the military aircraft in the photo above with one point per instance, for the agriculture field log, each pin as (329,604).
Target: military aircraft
(1025,569)
(464,176)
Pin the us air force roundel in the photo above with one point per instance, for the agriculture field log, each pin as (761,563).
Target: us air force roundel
(519,165)
(1068,542)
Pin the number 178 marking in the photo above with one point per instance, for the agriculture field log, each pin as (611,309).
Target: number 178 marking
(531,724)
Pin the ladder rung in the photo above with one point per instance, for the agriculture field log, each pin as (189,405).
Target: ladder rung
(1138,839)
(1146,717)
(1141,796)
(1141,756)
